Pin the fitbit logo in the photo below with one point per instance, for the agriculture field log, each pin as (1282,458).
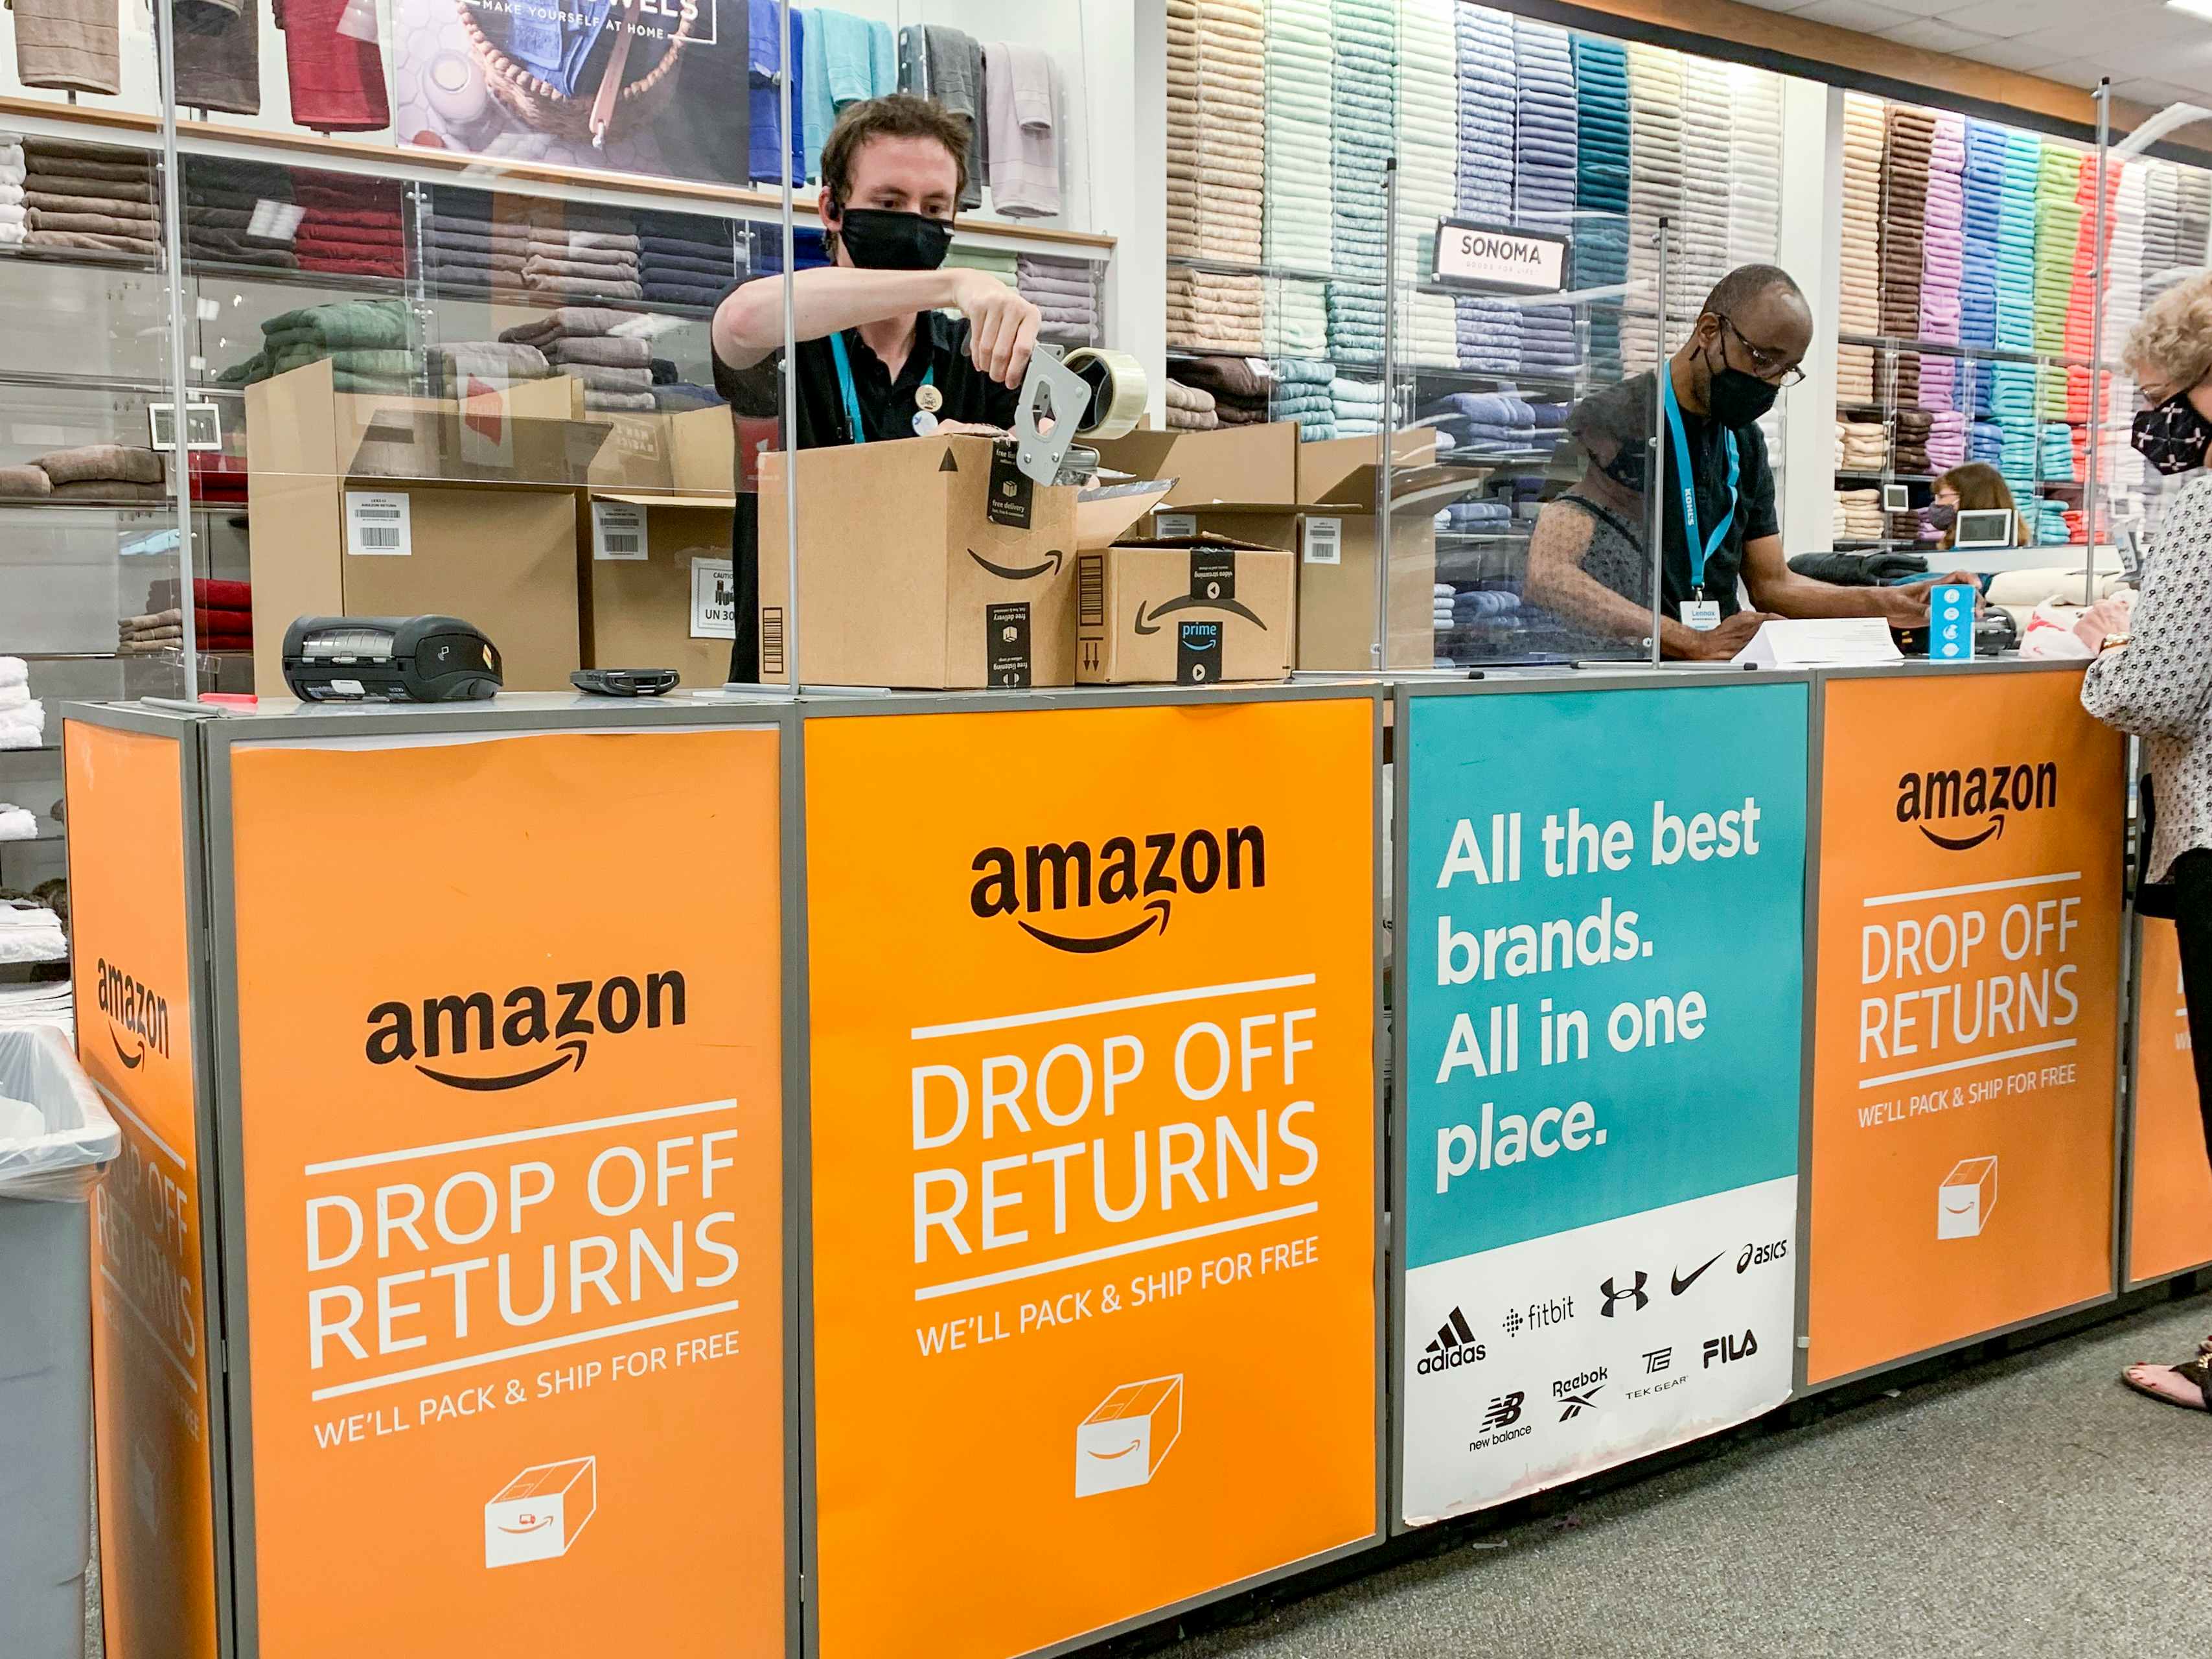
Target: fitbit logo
(520,1025)
(1052,887)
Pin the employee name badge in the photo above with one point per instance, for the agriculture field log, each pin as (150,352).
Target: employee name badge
(618,531)
(378,523)
(1702,616)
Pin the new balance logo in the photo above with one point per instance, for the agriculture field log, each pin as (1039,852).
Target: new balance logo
(1614,1295)
(1453,1345)
(1504,1412)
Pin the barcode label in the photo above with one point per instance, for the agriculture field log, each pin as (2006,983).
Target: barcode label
(1091,590)
(618,531)
(377,524)
(1324,541)
(1175,524)
(771,640)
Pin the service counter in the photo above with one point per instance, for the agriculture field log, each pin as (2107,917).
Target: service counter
(589,1163)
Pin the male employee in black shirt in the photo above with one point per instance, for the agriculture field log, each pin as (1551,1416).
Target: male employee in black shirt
(1589,556)
(876,359)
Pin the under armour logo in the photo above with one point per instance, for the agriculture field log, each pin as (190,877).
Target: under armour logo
(1612,1295)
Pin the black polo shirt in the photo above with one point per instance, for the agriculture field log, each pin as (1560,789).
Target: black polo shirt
(1626,414)
(887,411)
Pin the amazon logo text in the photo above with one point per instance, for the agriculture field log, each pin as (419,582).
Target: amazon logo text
(1064,894)
(134,1011)
(1979,800)
(518,1027)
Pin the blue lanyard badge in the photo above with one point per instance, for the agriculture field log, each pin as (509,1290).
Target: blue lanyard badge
(1700,551)
(858,433)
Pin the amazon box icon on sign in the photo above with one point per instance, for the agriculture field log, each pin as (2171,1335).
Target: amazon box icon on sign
(1185,610)
(537,1516)
(930,562)
(1966,1199)
(1122,1444)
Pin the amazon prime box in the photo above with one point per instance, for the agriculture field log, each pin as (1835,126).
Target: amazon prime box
(1189,610)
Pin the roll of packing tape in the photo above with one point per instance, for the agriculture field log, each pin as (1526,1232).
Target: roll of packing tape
(1118,390)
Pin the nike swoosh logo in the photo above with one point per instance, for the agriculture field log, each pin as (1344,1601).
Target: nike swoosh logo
(1968,843)
(1681,1284)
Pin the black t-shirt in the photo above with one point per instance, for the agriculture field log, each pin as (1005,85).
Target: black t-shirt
(887,411)
(1617,420)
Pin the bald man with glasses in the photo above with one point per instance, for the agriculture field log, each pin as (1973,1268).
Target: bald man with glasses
(1590,559)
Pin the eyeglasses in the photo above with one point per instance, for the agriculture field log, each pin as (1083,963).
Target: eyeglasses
(1771,366)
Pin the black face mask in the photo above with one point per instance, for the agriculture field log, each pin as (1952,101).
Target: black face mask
(1734,397)
(1942,515)
(882,238)
(1626,469)
(2173,436)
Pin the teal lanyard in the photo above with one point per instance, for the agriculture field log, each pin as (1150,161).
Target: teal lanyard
(1700,551)
(859,433)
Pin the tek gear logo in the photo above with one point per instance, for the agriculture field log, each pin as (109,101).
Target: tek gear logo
(1984,794)
(526,1019)
(1052,879)
(1727,1350)
(1635,1292)
(1453,1345)
(133,1010)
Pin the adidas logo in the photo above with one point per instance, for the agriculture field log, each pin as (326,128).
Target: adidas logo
(1455,1345)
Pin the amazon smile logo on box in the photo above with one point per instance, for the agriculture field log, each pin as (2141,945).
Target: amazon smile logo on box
(1979,797)
(525,1020)
(1051,880)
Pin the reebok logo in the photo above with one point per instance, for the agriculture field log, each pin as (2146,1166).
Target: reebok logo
(1007,573)
(1453,1345)
(134,1009)
(526,1019)
(1052,879)
(1578,1394)
(1678,1283)
(1983,794)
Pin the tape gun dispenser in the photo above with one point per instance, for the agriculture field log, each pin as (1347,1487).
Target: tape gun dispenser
(1089,393)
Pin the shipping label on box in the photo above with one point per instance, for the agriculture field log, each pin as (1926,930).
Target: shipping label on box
(1185,610)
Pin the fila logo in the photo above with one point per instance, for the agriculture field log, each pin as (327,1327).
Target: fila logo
(1727,1350)
(1636,1291)
(528,1018)
(1985,793)
(1453,1345)
(1052,878)
(132,1009)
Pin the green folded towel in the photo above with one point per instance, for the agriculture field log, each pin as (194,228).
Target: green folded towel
(361,323)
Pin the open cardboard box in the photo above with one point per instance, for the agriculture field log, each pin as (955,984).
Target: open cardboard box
(1232,463)
(929,562)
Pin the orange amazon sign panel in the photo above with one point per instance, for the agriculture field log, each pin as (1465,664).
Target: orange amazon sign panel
(2170,1218)
(1966,1040)
(1094,1222)
(135,1040)
(510,1097)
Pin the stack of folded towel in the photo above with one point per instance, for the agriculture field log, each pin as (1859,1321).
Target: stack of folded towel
(1299,74)
(1488,331)
(2016,218)
(610,351)
(94,472)
(1909,139)
(22,716)
(2054,461)
(1982,181)
(1544,177)
(1859,309)
(1066,292)
(1477,516)
(1215,310)
(1428,144)
(2081,326)
(89,196)
(1190,409)
(1358,407)
(1862,446)
(349,225)
(14,217)
(2058,218)
(2118,460)
(1859,515)
(1217,130)
(1601,174)
(1943,258)
(1946,441)
(1708,182)
(1242,388)
(471,369)
(240,213)
(476,239)
(1655,191)
(1985,443)
(1909,454)
(581,252)
(1489,423)
(1755,178)
(1302,394)
(683,260)
(1363,100)
(1296,317)
(366,341)
(223,618)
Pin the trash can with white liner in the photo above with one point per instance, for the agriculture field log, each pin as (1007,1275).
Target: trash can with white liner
(55,1138)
